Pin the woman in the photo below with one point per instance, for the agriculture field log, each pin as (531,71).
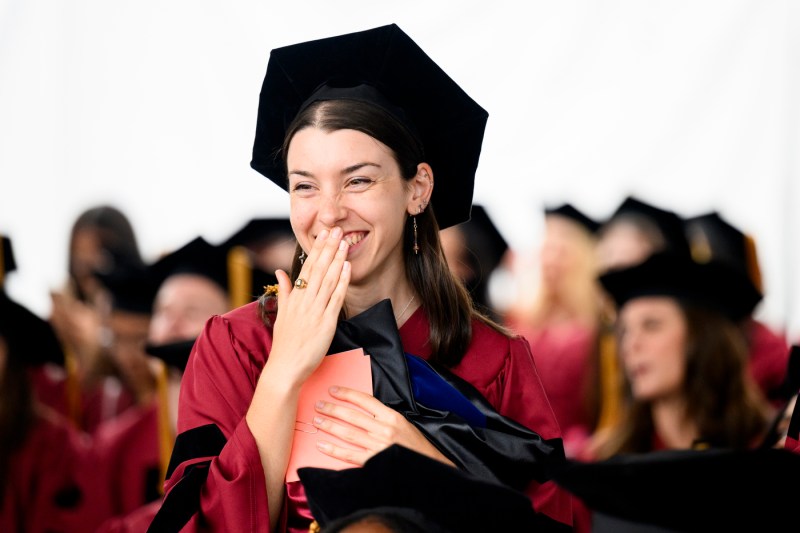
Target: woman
(362,194)
(562,321)
(684,359)
(684,362)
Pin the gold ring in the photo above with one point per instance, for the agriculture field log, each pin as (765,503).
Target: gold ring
(300,283)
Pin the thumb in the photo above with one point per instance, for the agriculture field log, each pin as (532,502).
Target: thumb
(284,285)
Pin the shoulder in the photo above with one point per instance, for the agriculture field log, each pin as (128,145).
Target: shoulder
(239,333)
(489,353)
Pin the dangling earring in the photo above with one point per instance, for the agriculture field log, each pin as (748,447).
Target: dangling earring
(302,256)
(416,245)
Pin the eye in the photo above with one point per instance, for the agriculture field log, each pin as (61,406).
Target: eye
(302,187)
(359,183)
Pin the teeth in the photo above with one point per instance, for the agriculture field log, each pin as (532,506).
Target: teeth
(353,238)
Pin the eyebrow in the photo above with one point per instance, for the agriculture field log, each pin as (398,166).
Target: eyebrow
(346,170)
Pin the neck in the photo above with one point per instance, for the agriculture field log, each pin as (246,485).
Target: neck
(402,295)
(673,427)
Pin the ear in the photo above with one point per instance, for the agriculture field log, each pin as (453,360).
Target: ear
(421,189)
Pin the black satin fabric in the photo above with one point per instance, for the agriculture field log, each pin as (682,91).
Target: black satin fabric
(501,450)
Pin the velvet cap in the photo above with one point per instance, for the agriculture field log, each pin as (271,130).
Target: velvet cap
(712,285)
(713,237)
(444,498)
(260,230)
(27,335)
(198,256)
(571,212)
(382,66)
(669,223)
(484,239)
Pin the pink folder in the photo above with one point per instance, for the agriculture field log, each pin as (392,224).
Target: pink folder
(347,369)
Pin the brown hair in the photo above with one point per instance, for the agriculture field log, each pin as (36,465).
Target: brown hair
(722,400)
(444,298)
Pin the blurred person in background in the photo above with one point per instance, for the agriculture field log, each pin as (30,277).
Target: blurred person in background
(474,249)
(632,233)
(562,321)
(684,361)
(45,473)
(101,240)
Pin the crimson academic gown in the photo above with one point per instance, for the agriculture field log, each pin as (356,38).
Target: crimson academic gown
(50,486)
(219,383)
(564,360)
(769,357)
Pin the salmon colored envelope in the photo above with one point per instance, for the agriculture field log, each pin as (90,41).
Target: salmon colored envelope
(349,369)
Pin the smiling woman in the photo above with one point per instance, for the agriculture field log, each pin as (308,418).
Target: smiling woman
(360,155)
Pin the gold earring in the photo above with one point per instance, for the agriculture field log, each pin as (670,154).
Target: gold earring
(416,245)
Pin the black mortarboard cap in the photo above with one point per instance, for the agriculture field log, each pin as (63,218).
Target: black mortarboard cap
(484,239)
(198,256)
(571,212)
(400,479)
(28,336)
(384,67)
(712,237)
(712,285)
(259,231)
(692,490)
(7,263)
(132,288)
(669,223)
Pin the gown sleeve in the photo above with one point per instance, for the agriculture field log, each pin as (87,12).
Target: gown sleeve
(215,481)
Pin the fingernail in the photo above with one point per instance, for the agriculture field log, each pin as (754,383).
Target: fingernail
(323,234)
(333,390)
(318,420)
(343,245)
(324,446)
(320,404)
(336,233)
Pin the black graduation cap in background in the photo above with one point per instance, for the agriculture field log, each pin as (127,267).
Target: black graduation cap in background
(691,490)
(259,231)
(669,223)
(27,335)
(132,288)
(7,263)
(429,494)
(713,237)
(384,67)
(713,285)
(199,257)
(569,211)
(484,239)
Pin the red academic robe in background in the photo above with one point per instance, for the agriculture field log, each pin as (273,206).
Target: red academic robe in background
(769,358)
(128,464)
(218,386)
(563,356)
(50,481)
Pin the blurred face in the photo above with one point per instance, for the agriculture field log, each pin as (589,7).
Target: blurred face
(559,252)
(86,257)
(346,178)
(653,333)
(621,245)
(183,305)
(278,254)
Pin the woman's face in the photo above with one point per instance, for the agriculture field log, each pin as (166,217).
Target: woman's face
(652,345)
(182,306)
(348,179)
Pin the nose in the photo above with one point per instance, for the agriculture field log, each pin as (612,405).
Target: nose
(331,210)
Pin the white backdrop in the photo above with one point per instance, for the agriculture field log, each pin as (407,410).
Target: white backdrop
(150,105)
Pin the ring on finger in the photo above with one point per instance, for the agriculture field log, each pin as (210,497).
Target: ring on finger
(300,283)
